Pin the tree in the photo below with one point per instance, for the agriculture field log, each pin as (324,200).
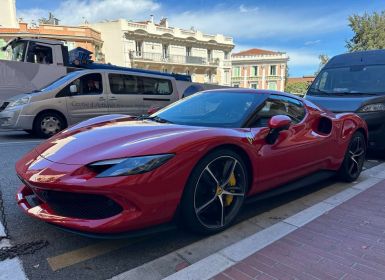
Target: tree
(369,32)
(299,88)
(323,59)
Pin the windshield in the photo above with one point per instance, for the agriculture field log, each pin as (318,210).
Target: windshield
(61,81)
(350,80)
(212,109)
(15,51)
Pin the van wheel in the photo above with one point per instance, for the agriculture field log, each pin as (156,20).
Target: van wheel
(48,124)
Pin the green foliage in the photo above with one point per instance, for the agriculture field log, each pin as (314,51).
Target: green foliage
(369,31)
(298,88)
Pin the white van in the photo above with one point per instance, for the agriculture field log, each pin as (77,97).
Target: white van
(85,94)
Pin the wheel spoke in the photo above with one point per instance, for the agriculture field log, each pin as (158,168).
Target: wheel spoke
(212,175)
(204,206)
(359,153)
(222,210)
(230,174)
(233,194)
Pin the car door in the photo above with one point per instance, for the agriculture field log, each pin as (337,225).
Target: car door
(89,100)
(125,94)
(297,151)
(157,92)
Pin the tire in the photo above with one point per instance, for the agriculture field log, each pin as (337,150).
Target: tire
(354,159)
(48,124)
(215,192)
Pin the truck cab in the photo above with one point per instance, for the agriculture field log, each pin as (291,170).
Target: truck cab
(38,51)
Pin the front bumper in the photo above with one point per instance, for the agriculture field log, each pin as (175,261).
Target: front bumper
(143,200)
(9,119)
(376,127)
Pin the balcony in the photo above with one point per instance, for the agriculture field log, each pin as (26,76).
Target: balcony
(174,59)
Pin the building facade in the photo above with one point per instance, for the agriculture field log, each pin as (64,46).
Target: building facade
(157,46)
(8,14)
(259,69)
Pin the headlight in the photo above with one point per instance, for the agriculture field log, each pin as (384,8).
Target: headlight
(19,102)
(128,166)
(376,107)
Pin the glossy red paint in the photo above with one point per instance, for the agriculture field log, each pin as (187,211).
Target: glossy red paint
(152,198)
(279,121)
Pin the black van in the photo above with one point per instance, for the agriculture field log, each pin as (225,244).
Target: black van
(355,82)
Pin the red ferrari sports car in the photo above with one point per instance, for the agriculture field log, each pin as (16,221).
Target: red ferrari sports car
(198,159)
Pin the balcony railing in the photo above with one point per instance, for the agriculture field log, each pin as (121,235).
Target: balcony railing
(174,59)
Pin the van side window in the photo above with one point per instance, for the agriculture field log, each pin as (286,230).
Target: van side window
(123,84)
(156,86)
(130,84)
(90,84)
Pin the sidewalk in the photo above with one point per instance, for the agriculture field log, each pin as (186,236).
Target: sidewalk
(347,242)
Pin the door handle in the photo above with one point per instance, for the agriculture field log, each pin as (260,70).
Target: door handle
(102,99)
(113,98)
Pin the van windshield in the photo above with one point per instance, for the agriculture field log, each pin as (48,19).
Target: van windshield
(353,80)
(60,82)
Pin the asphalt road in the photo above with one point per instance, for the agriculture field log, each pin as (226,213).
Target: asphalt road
(74,256)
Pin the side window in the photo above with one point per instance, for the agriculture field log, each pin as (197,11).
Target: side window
(280,105)
(129,84)
(156,86)
(90,84)
(123,84)
(39,54)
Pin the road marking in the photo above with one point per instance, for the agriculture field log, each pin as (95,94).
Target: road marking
(2,231)
(89,252)
(12,269)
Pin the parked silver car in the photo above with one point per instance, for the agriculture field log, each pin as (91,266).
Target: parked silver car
(85,94)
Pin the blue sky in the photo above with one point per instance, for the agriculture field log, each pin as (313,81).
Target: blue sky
(303,29)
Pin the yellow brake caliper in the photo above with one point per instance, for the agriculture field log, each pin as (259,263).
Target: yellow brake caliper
(232,182)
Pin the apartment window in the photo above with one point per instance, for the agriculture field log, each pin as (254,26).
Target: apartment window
(209,55)
(236,71)
(139,48)
(254,71)
(254,85)
(165,51)
(273,70)
(210,76)
(226,55)
(272,85)
(188,51)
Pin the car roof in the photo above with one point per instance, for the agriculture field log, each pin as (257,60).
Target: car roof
(371,57)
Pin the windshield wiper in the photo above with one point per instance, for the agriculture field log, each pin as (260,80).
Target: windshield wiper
(155,119)
(354,93)
(317,91)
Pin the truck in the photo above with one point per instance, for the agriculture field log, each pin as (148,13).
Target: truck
(44,87)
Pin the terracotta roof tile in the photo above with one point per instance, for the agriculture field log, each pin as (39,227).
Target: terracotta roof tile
(252,52)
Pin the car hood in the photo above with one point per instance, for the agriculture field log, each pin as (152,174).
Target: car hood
(115,139)
(339,104)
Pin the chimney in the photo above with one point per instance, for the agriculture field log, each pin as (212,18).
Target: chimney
(164,22)
(152,18)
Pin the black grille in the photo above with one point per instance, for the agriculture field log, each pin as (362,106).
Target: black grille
(3,106)
(83,206)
